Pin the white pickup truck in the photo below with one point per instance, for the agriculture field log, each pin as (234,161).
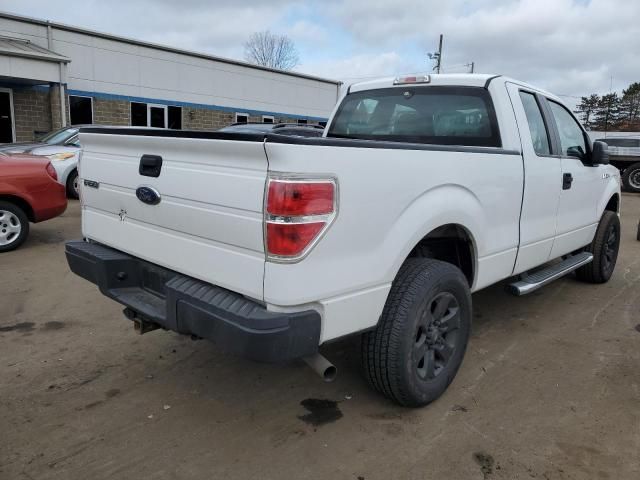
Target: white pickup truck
(422,190)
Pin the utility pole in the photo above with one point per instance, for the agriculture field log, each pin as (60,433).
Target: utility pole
(439,55)
(473,64)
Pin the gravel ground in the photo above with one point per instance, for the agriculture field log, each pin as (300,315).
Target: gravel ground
(550,389)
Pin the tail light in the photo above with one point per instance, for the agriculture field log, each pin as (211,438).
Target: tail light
(52,171)
(297,213)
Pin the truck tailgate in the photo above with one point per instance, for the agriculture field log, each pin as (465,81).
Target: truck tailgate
(208,222)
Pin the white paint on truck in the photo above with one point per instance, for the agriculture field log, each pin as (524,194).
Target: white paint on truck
(509,199)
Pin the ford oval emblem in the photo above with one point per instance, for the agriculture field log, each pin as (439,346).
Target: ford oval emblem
(148,195)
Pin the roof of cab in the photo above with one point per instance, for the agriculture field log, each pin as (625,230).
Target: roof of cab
(446,79)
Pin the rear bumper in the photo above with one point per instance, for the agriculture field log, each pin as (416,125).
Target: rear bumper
(189,306)
(49,203)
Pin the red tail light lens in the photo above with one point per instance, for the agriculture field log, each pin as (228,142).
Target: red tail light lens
(297,212)
(293,198)
(290,239)
(52,171)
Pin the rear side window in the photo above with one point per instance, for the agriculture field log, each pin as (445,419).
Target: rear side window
(433,115)
(572,140)
(539,135)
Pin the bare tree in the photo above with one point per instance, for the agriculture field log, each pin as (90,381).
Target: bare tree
(271,50)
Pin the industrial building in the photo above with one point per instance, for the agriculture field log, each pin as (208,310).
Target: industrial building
(53,75)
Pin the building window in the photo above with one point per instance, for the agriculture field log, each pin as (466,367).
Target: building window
(175,118)
(155,115)
(267,119)
(242,118)
(302,121)
(138,114)
(80,110)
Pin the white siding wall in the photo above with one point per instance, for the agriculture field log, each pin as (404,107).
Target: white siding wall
(104,66)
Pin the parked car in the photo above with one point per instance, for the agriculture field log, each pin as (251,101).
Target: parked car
(62,148)
(29,192)
(423,190)
(624,154)
(294,129)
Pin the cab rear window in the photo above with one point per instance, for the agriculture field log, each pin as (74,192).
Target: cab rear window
(432,115)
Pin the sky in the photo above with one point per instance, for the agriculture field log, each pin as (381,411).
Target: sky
(569,47)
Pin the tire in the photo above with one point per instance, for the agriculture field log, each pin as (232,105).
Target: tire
(417,347)
(14,226)
(604,247)
(638,234)
(631,178)
(72,185)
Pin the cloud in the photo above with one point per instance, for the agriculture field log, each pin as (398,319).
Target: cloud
(562,45)
(359,67)
(571,47)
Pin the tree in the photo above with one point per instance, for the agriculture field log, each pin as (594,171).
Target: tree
(630,107)
(608,114)
(587,107)
(271,50)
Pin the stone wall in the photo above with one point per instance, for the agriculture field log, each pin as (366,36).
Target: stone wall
(36,111)
(111,112)
(32,113)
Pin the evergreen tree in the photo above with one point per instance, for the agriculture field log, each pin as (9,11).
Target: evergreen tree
(587,109)
(607,116)
(630,107)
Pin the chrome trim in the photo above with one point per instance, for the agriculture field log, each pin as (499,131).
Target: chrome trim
(523,287)
(327,218)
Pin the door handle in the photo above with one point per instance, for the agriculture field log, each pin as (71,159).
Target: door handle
(567,180)
(150,165)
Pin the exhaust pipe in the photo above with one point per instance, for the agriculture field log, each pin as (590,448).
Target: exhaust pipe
(322,367)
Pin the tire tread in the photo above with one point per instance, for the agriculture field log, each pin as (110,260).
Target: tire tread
(380,347)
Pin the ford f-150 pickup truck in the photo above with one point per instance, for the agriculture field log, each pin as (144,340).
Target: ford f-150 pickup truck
(422,190)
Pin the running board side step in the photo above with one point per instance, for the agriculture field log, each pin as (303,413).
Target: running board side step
(531,282)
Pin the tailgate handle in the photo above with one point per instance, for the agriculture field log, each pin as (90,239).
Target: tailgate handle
(150,165)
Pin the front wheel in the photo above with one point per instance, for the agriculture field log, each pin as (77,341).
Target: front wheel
(417,348)
(14,226)
(631,178)
(604,248)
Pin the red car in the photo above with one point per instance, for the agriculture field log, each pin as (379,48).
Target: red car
(29,192)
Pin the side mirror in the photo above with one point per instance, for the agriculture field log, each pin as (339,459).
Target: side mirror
(600,154)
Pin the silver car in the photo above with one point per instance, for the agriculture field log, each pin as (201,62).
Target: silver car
(62,148)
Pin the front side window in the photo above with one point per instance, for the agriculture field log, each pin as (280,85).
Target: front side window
(432,115)
(537,128)
(572,140)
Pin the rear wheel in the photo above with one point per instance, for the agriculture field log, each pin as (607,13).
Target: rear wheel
(14,226)
(604,248)
(631,178)
(73,189)
(417,348)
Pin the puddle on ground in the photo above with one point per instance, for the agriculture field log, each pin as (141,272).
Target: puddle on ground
(486,463)
(321,411)
(53,325)
(20,327)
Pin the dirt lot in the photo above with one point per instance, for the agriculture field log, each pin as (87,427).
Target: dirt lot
(550,389)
